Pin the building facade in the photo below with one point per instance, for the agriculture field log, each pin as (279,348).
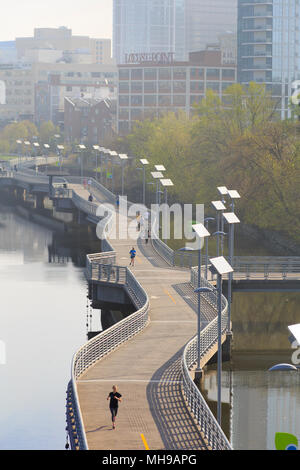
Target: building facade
(148,26)
(89,121)
(27,84)
(269,47)
(61,39)
(149,89)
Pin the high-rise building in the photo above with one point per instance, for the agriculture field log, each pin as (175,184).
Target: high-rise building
(148,26)
(207,20)
(269,46)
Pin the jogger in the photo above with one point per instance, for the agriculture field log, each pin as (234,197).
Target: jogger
(114,398)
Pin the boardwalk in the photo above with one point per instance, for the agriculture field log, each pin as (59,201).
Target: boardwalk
(147,368)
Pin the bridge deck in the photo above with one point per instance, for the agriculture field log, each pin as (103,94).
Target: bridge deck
(147,368)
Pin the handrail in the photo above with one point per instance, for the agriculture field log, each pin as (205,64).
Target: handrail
(213,432)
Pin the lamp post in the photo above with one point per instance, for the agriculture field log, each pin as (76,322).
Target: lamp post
(206,223)
(112,154)
(123,157)
(166,183)
(81,148)
(19,142)
(27,144)
(219,208)
(47,148)
(144,162)
(157,175)
(223,191)
(60,149)
(220,267)
(97,149)
(231,219)
(201,232)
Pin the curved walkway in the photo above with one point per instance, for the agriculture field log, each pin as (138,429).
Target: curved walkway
(147,368)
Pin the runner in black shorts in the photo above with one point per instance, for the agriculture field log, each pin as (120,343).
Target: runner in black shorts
(115,398)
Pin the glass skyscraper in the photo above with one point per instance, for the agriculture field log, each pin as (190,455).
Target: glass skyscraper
(269,46)
(148,26)
(206,20)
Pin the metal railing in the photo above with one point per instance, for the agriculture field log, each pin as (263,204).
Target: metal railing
(212,431)
(251,267)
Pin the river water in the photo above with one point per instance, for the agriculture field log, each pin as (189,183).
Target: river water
(42,323)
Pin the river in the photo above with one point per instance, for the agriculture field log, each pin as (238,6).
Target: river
(42,323)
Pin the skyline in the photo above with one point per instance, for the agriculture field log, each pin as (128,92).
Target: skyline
(71,14)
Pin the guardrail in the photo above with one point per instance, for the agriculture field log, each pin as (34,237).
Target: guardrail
(213,433)
(250,266)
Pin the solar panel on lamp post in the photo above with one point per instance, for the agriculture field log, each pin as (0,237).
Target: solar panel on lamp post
(220,267)
(231,219)
(201,232)
(219,208)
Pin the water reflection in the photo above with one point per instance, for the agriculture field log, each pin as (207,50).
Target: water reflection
(42,324)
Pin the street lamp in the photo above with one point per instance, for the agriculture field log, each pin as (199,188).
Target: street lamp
(166,183)
(219,208)
(144,162)
(231,219)
(60,148)
(123,157)
(27,143)
(223,191)
(201,232)
(220,267)
(112,154)
(97,149)
(19,142)
(159,168)
(206,223)
(82,148)
(157,175)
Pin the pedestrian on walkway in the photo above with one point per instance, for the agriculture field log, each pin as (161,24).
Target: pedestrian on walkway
(148,236)
(115,397)
(90,198)
(132,256)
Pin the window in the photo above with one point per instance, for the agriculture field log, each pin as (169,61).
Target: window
(195,99)
(197,87)
(179,87)
(124,87)
(164,87)
(215,86)
(150,87)
(197,73)
(136,113)
(179,73)
(228,74)
(137,74)
(137,100)
(164,74)
(124,113)
(213,74)
(179,100)
(136,87)
(123,74)
(124,100)
(164,100)
(150,74)
(150,100)
(96,74)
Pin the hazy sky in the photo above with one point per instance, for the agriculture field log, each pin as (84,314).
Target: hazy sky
(84,17)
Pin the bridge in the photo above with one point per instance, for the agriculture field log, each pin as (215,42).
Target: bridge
(150,354)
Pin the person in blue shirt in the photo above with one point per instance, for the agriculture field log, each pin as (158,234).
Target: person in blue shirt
(132,256)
